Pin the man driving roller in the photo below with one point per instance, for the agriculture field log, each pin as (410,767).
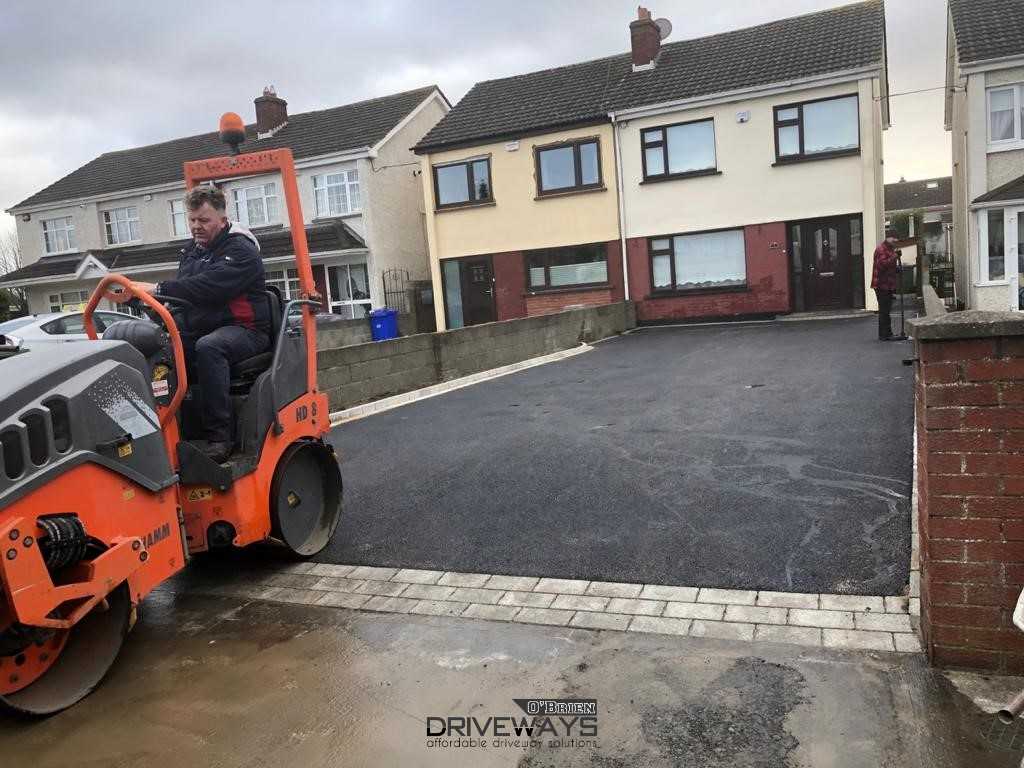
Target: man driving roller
(220,275)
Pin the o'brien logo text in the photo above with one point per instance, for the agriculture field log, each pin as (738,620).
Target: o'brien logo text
(552,723)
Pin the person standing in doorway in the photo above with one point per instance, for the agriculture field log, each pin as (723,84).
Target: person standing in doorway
(884,279)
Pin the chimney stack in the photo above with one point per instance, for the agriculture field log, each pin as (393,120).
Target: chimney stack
(645,38)
(271,113)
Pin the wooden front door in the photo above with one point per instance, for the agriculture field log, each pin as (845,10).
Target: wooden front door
(825,256)
(477,283)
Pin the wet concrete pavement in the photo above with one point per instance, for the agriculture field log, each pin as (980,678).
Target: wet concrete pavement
(207,681)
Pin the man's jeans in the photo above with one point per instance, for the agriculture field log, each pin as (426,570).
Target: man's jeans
(884,310)
(209,359)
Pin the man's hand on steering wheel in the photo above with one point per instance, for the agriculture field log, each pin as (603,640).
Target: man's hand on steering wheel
(119,295)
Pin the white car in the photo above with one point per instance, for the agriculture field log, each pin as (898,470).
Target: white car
(55,327)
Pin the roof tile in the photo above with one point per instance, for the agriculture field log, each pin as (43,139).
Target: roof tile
(988,29)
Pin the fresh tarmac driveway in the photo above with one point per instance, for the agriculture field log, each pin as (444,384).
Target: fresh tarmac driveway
(756,456)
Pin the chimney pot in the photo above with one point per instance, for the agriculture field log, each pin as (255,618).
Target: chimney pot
(645,39)
(271,111)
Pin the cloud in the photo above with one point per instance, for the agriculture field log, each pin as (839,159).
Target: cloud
(81,79)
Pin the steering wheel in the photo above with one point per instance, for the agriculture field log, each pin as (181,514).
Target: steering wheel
(129,291)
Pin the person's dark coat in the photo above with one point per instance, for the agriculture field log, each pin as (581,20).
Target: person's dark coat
(224,282)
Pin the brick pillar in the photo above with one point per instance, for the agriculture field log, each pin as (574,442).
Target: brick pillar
(970,427)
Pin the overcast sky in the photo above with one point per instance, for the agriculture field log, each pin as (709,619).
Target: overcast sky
(80,79)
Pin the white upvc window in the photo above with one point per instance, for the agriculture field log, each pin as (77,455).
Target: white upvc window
(257,206)
(58,235)
(289,287)
(179,221)
(1005,116)
(68,301)
(122,225)
(337,193)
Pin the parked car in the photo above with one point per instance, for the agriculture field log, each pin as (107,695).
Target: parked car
(55,327)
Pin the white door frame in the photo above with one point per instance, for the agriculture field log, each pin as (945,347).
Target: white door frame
(1012,218)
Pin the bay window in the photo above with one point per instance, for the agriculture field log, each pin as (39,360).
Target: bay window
(684,149)
(578,265)
(821,128)
(706,260)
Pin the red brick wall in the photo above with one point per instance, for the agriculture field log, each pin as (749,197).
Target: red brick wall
(546,303)
(767,279)
(509,284)
(970,420)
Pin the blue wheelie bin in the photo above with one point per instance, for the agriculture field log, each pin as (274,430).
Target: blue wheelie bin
(384,324)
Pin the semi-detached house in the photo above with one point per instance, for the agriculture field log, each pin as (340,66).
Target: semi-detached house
(985,114)
(361,199)
(739,173)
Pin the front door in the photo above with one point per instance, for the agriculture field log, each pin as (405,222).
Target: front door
(478,291)
(469,291)
(1015,255)
(825,257)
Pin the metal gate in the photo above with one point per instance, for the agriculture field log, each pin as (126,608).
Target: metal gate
(396,285)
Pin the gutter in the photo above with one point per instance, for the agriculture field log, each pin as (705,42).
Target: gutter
(622,205)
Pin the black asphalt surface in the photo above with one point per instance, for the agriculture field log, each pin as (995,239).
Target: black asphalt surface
(757,456)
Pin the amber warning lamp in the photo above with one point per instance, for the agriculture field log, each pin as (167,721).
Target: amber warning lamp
(232,131)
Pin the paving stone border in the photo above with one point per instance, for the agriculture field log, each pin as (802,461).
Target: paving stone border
(861,622)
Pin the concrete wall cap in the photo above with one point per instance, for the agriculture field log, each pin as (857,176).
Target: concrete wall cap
(969,324)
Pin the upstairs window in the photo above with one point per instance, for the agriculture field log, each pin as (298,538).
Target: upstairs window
(463,183)
(179,223)
(1006,115)
(568,167)
(674,151)
(257,206)
(467,183)
(567,267)
(122,225)
(337,194)
(58,235)
(821,128)
(702,261)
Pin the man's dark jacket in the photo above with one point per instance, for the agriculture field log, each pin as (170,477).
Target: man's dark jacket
(224,282)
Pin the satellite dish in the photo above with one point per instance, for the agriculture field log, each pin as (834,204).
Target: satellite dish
(664,27)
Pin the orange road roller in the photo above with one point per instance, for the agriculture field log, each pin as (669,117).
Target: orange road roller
(102,493)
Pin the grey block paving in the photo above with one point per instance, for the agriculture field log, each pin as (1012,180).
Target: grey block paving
(678,594)
(580,602)
(428,591)
(837,621)
(543,616)
(588,620)
(563,586)
(786,600)
(727,596)
(852,603)
(660,625)
(756,614)
(635,606)
(832,619)
(439,608)
(417,576)
(610,589)
(527,599)
(464,579)
(342,600)
(695,611)
(864,641)
(518,583)
(723,630)
(773,633)
(492,612)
